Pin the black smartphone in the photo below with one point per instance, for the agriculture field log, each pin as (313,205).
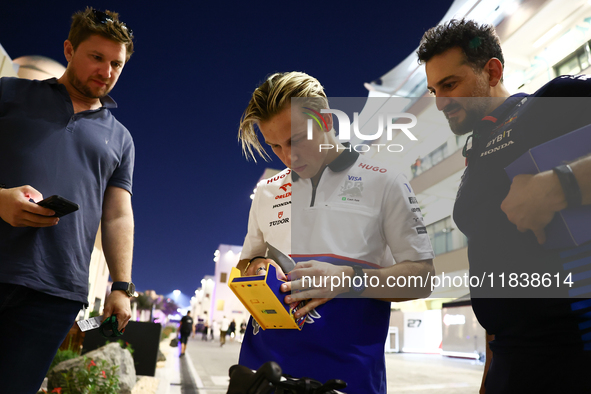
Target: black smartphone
(60,205)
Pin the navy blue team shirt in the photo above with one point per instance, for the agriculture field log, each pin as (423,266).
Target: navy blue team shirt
(554,324)
(44,144)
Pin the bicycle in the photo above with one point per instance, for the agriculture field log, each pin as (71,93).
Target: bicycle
(269,379)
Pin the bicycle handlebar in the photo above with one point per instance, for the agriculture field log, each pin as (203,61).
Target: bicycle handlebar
(269,377)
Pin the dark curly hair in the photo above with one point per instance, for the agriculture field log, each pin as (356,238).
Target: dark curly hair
(479,43)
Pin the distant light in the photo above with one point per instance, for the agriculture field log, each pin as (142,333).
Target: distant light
(135,294)
(176,293)
(252,196)
(547,36)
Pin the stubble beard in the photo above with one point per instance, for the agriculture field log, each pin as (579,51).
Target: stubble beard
(84,89)
(475,108)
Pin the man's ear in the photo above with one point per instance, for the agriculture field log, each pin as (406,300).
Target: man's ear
(494,67)
(68,50)
(328,118)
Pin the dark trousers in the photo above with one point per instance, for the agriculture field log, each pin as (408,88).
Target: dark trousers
(539,373)
(32,327)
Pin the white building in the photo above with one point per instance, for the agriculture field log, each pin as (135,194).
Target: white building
(224,302)
(202,302)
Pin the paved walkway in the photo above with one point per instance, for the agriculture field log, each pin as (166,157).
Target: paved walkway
(207,364)
(212,363)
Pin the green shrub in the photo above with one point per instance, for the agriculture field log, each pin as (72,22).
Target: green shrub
(94,379)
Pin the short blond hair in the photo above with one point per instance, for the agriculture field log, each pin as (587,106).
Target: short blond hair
(272,97)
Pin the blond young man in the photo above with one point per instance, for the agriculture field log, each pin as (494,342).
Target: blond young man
(59,137)
(304,212)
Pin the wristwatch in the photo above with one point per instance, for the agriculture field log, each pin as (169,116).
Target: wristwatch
(570,186)
(357,285)
(127,287)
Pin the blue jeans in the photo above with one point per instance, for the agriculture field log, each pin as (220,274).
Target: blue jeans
(32,327)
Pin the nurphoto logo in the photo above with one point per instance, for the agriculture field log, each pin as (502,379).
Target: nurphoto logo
(345,129)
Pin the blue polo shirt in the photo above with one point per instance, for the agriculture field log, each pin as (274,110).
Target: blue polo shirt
(44,144)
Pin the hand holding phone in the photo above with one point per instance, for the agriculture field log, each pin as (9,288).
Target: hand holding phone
(18,208)
(59,205)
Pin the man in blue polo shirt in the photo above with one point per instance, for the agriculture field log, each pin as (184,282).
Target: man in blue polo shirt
(59,137)
(539,345)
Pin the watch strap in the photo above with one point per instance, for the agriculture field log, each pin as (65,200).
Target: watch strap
(127,287)
(570,186)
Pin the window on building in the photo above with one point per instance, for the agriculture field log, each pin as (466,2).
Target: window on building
(223,277)
(576,62)
(422,164)
(438,154)
(219,305)
(444,237)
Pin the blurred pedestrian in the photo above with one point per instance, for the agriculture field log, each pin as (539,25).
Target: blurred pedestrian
(224,330)
(186,328)
(232,329)
(205,331)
